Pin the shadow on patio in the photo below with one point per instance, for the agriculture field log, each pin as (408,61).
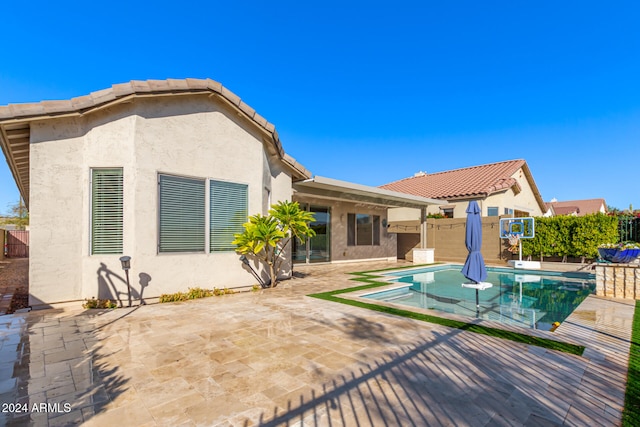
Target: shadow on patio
(52,371)
(475,385)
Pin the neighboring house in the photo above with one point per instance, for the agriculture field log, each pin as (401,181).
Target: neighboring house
(166,172)
(576,207)
(5,224)
(503,188)
(10,223)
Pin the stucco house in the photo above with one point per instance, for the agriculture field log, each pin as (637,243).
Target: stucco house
(576,207)
(166,171)
(502,188)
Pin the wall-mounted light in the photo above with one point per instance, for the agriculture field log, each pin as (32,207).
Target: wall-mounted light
(385,224)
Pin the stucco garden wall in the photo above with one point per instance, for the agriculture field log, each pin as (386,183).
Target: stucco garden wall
(447,237)
(191,136)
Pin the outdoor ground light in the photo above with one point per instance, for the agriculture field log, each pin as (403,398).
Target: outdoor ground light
(126,265)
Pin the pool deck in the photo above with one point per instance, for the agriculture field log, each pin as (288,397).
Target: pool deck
(278,357)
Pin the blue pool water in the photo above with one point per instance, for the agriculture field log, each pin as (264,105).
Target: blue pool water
(527,298)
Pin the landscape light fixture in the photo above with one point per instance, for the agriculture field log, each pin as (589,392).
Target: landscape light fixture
(126,265)
(126,262)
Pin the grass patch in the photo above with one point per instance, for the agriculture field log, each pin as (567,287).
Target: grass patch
(631,412)
(370,282)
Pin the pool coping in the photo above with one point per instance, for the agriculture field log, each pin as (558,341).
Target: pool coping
(371,279)
(389,277)
(358,296)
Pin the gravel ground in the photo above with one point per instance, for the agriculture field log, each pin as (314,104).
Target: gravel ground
(14,277)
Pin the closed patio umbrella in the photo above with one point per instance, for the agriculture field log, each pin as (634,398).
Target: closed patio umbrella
(474,268)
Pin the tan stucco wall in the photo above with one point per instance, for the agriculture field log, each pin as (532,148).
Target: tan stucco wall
(407,242)
(188,136)
(404,214)
(340,251)
(447,237)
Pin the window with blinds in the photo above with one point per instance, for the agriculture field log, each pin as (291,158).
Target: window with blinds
(182,214)
(106,211)
(228,211)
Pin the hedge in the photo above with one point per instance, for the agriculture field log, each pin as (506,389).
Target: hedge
(571,236)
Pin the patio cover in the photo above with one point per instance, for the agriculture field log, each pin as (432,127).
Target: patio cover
(342,190)
(334,189)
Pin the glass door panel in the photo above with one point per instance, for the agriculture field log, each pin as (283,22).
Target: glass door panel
(299,254)
(318,247)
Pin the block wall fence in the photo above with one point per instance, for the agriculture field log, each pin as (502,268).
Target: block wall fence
(618,280)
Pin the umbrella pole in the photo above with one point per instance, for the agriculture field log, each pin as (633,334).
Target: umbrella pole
(477,304)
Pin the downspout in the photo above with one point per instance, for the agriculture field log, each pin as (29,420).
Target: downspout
(423,228)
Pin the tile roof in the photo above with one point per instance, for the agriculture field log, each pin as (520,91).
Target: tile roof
(15,118)
(566,210)
(580,207)
(116,92)
(475,181)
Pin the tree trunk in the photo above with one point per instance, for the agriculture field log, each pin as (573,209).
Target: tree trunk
(272,274)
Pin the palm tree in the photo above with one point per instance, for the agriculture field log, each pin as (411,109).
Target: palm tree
(267,237)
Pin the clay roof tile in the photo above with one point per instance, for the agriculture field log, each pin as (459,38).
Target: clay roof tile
(467,182)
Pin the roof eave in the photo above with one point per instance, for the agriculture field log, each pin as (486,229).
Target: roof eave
(9,158)
(534,187)
(342,190)
(25,114)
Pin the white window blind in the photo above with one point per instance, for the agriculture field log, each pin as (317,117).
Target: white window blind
(106,211)
(228,211)
(182,214)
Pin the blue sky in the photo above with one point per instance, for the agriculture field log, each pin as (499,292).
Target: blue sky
(371,92)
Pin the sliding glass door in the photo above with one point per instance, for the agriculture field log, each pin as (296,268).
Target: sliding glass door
(318,247)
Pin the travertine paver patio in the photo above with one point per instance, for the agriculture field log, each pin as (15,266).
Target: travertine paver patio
(278,357)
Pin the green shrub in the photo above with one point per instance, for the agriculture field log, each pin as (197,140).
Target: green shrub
(564,236)
(194,293)
(98,303)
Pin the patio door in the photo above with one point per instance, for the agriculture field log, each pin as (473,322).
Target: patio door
(318,247)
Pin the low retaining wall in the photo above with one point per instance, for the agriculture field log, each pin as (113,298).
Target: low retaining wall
(618,280)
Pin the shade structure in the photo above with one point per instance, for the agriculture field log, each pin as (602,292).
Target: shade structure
(474,268)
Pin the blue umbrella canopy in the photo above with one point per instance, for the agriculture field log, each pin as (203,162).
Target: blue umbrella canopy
(474,268)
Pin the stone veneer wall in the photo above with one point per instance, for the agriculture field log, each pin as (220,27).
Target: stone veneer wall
(618,280)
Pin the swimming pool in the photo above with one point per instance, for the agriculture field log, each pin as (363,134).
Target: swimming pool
(526,298)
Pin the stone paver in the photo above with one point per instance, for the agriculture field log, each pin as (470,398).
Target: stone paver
(278,357)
